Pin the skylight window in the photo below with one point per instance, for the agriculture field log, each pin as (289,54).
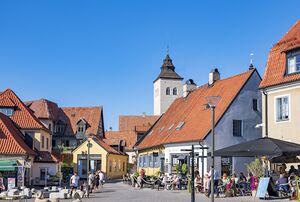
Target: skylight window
(180,125)
(7,111)
(171,126)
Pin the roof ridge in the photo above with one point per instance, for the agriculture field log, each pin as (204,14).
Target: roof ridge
(22,104)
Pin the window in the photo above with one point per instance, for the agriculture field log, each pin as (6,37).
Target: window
(237,128)
(168,91)
(53,143)
(123,166)
(7,111)
(180,125)
(42,173)
(67,144)
(43,141)
(110,166)
(47,143)
(254,105)
(119,165)
(174,91)
(150,160)
(140,136)
(282,108)
(50,127)
(293,62)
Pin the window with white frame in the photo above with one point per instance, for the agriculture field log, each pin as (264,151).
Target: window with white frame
(282,108)
(293,62)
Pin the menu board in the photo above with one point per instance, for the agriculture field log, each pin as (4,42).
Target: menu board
(11,183)
(262,187)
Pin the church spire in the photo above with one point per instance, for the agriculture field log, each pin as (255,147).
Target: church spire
(167,70)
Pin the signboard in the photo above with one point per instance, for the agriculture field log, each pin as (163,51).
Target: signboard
(262,187)
(11,183)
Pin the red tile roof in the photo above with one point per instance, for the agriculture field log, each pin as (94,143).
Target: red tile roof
(136,123)
(114,138)
(11,139)
(45,157)
(6,102)
(23,117)
(92,115)
(191,111)
(105,146)
(276,64)
(44,109)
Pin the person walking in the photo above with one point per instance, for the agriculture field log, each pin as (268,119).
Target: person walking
(101,178)
(74,182)
(216,183)
(91,181)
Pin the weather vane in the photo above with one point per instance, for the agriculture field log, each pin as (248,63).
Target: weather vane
(251,58)
(168,49)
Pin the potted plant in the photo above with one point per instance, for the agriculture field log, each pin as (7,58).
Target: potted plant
(256,168)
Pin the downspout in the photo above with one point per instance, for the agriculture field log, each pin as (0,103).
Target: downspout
(266,113)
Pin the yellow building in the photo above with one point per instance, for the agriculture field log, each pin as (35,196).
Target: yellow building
(102,157)
(281,89)
(150,160)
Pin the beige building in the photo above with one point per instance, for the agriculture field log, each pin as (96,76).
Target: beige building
(35,135)
(281,88)
(102,157)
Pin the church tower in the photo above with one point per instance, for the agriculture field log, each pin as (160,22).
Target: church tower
(167,87)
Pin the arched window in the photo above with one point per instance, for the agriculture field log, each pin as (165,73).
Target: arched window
(174,91)
(168,91)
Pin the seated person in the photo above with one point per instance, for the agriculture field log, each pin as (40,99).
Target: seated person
(197,183)
(293,170)
(175,182)
(292,183)
(282,183)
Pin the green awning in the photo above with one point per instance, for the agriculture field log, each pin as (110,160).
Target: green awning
(8,165)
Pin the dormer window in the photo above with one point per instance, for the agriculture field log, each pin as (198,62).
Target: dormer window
(81,126)
(293,62)
(59,127)
(7,111)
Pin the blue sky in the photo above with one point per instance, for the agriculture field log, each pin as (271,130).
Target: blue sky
(87,53)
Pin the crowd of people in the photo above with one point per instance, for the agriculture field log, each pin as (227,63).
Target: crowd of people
(95,181)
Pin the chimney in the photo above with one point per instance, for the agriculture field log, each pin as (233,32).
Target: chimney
(188,87)
(214,75)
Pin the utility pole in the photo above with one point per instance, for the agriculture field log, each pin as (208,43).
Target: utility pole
(213,156)
(192,176)
(89,145)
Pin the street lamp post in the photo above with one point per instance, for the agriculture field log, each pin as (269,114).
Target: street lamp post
(89,145)
(212,102)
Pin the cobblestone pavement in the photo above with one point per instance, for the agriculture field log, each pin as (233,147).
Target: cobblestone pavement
(119,192)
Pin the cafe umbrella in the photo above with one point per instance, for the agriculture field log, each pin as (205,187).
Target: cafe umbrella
(264,146)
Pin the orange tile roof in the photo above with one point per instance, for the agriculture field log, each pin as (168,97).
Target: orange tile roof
(11,139)
(276,64)
(45,156)
(113,137)
(131,123)
(92,115)
(6,102)
(105,146)
(44,109)
(23,117)
(191,111)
